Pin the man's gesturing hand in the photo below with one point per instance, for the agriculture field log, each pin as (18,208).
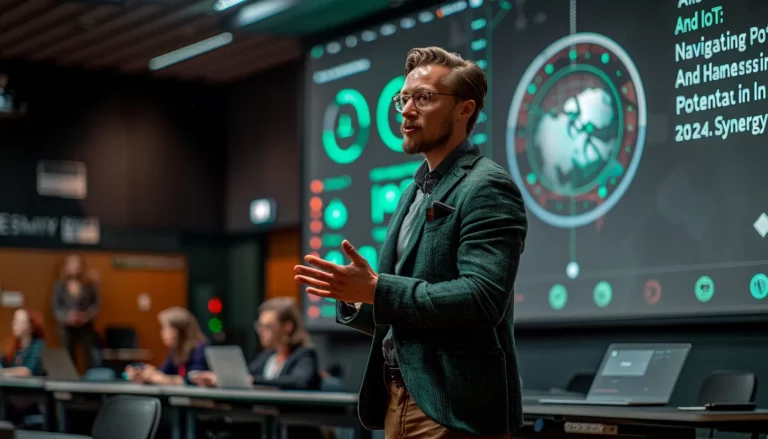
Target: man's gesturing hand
(351,283)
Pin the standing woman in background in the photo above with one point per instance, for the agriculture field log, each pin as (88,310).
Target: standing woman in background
(76,303)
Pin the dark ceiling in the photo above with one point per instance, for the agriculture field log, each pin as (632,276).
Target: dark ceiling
(125,35)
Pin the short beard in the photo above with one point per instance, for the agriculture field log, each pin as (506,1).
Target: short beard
(427,145)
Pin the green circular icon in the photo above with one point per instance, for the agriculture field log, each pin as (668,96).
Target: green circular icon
(602,294)
(335,256)
(705,289)
(758,286)
(336,214)
(558,297)
(344,128)
(383,111)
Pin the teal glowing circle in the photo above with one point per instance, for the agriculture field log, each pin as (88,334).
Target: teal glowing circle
(383,109)
(335,256)
(336,214)
(558,297)
(339,155)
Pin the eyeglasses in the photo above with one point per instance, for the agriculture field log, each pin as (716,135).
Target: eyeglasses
(421,99)
(261,326)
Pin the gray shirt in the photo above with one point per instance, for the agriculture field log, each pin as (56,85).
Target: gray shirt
(425,181)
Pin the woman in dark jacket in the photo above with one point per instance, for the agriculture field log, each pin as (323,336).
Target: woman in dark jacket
(76,303)
(288,361)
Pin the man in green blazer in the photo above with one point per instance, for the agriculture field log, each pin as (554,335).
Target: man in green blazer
(440,310)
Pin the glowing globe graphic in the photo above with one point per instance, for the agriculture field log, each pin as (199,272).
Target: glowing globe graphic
(576,130)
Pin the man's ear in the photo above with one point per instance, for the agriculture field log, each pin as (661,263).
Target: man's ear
(468,108)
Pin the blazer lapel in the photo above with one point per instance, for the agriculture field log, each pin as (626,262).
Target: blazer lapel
(444,187)
(455,175)
(387,261)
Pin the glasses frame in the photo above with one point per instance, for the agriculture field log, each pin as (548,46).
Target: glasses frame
(429,94)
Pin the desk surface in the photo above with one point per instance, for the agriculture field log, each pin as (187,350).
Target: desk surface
(22,383)
(263,396)
(26,434)
(533,396)
(104,388)
(663,414)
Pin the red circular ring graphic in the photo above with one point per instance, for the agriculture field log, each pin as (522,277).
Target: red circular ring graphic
(652,292)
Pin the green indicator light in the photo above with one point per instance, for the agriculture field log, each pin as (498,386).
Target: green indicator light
(214,324)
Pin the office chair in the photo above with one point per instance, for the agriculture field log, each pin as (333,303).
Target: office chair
(727,387)
(581,382)
(7,431)
(127,417)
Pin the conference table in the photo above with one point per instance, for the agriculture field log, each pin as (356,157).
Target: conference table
(30,390)
(556,420)
(26,434)
(275,409)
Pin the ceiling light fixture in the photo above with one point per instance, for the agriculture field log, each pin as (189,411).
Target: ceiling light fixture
(190,51)
(221,5)
(262,10)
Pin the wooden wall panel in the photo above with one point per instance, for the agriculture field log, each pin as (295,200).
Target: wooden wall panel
(283,253)
(34,272)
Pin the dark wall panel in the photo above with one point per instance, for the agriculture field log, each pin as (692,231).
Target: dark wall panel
(155,151)
(264,147)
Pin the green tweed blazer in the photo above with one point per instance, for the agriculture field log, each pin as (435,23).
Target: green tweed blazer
(450,305)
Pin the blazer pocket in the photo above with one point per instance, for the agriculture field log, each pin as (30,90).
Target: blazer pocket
(436,224)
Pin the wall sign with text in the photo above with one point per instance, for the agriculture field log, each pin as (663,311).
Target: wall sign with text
(20,229)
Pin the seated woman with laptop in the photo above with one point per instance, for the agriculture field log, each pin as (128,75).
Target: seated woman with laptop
(181,333)
(22,355)
(288,360)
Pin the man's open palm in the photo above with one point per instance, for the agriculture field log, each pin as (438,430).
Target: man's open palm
(351,283)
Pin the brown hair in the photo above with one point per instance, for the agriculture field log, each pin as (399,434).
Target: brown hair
(81,277)
(467,80)
(287,311)
(188,332)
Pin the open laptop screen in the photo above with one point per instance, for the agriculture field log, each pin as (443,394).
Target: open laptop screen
(639,372)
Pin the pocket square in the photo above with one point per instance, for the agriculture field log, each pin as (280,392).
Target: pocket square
(438,210)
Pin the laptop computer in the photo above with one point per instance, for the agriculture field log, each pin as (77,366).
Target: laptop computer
(58,365)
(634,374)
(228,363)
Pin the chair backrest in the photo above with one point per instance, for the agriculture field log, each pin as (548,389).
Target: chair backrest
(331,384)
(127,417)
(728,387)
(7,431)
(581,382)
(121,337)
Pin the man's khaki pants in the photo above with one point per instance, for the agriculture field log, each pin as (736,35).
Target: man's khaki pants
(405,420)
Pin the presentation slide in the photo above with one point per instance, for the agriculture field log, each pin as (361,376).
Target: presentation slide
(633,129)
